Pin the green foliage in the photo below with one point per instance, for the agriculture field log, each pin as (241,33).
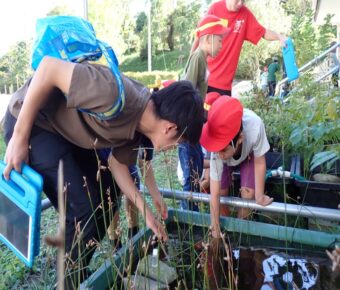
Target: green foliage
(271,113)
(326,32)
(295,7)
(164,61)
(15,275)
(15,66)
(249,63)
(11,273)
(317,129)
(160,10)
(130,39)
(167,25)
(172,28)
(185,18)
(325,157)
(113,23)
(304,37)
(310,40)
(141,22)
(308,123)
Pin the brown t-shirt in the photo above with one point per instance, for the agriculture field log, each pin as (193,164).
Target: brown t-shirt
(93,87)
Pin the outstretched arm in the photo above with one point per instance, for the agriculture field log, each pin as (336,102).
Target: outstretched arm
(260,174)
(150,182)
(215,189)
(272,35)
(123,178)
(51,73)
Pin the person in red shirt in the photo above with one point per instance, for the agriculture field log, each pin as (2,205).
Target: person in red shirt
(244,26)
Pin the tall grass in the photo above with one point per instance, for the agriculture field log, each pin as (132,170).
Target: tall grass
(43,275)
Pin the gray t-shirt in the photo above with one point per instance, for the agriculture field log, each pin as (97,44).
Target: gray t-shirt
(255,140)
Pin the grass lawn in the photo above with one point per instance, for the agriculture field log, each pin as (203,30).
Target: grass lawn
(163,61)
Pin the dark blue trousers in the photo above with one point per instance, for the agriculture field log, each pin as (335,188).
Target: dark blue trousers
(191,160)
(89,203)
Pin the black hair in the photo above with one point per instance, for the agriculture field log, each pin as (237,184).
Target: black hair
(182,105)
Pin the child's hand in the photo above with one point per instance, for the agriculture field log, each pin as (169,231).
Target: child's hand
(160,206)
(156,226)
(216,233)
(264,200)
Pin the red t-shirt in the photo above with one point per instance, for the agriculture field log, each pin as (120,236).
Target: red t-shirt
(244,26)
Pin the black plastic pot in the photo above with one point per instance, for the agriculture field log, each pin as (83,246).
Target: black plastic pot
(320,194)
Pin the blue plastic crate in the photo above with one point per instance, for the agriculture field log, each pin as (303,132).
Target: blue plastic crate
(20,209)
(289,61)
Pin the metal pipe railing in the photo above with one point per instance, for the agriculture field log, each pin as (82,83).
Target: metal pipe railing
(331,71)
(312,62)
(276,207)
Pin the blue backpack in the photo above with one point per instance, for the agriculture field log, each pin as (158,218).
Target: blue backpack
(73,39)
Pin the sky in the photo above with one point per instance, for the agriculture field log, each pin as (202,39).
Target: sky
(18,17)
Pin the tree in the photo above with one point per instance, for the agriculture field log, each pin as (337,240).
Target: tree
(172,25)
(170,37)
(185,18)
(109,19)
(304,35)
(141,22)
(309,39)
(15,66)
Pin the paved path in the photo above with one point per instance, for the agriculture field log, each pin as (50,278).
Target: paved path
(241,87)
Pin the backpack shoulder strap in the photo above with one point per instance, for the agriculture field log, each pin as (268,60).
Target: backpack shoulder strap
(119,103)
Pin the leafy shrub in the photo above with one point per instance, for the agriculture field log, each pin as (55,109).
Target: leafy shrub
(149,78)
(307,123)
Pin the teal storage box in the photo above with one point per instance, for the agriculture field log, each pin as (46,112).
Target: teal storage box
(20,209)
(289,61)
(251,233)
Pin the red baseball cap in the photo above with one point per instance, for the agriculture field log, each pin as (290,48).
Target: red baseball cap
(167,83)
(209,99)
(211,24)
(224,122)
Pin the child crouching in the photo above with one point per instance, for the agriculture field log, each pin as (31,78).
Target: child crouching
(237,138)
